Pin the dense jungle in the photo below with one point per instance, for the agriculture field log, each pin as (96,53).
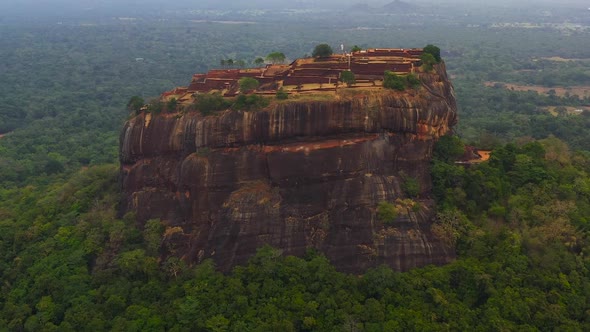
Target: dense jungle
(519,222)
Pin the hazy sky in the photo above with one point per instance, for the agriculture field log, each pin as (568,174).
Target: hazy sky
(114,7)
(254,3)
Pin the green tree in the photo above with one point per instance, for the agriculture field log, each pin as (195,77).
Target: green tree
(410,186)
(135,263)
(135,104)
(53,166)
(322,51)
(434,51)
(171,105)
(282,94)
(356,48)
(249,102)
(259,62)
(155,106)
(450,225)
(393,81)
(209,103)
(276,57)
(560,110)
(347,77)
(152,236)
(217,323)
(428,61)
(413,80)
(248,84)
(448,148)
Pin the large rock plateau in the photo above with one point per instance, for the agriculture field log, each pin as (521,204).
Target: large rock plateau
(296,175)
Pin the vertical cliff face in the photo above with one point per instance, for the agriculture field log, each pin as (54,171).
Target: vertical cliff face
(296,175)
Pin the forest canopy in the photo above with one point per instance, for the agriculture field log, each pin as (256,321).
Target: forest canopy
(519,222)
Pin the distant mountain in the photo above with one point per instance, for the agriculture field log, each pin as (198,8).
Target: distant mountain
(399,6)
(360,7)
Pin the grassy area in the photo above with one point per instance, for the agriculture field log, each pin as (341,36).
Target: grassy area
(582,91)
(570,110)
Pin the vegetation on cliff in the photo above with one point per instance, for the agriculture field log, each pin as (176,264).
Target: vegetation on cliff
(322,50)
(275,58)
(400,82)
(434,51)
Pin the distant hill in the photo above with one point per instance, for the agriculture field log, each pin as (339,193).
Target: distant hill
(399,6)
(360,7)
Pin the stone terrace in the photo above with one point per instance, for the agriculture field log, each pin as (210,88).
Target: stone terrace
(307,74)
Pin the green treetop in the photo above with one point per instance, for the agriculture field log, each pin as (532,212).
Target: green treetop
(248,84)
(276,57)
(322,51)
(259,61)
(434,51)
(347,77)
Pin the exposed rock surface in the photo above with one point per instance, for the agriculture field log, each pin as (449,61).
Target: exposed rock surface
(296,175)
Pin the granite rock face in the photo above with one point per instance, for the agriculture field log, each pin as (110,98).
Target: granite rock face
(297,175)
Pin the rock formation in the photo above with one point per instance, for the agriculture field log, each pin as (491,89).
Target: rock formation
(297,174)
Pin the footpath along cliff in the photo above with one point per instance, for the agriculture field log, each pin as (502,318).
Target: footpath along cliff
(298,174)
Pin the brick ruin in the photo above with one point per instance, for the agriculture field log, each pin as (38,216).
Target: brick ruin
(304,75)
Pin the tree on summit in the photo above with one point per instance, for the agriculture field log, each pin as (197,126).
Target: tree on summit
(347,77)
(434,51)
(135,104)
(248,84)
(393,81)
(428,61)
(322,51)
(259,62)
(276,57)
